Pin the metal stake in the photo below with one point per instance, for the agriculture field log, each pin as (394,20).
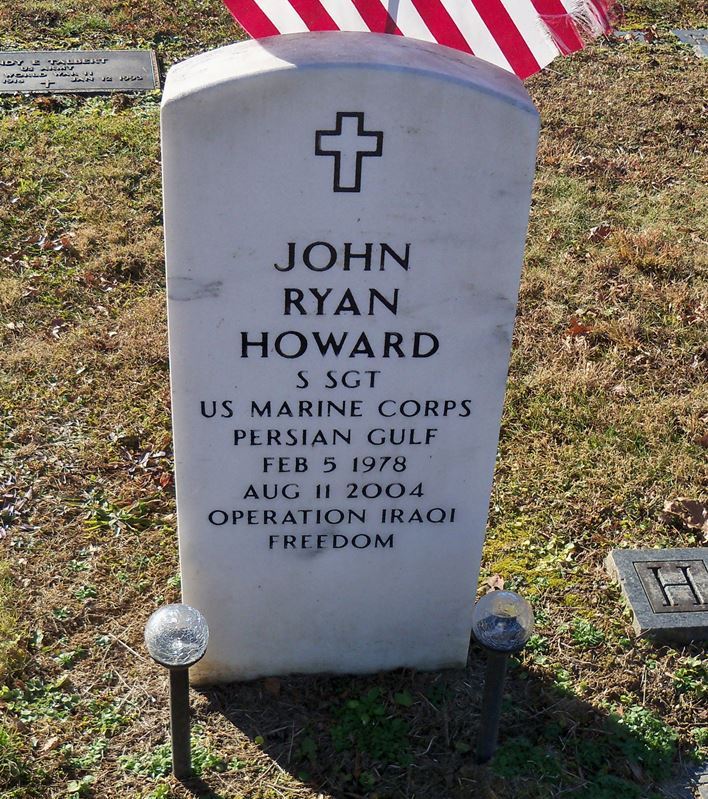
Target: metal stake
(491,705)
(179,723)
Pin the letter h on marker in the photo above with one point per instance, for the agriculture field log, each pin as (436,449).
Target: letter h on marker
(686,582)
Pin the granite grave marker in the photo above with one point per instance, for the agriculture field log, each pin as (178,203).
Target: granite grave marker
(667,590)
(78,71)
(345,216)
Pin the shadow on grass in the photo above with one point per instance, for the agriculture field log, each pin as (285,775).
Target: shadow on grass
(199,787)
(409,734)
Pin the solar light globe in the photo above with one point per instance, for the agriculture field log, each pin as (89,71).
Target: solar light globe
(176,636)
(502,621)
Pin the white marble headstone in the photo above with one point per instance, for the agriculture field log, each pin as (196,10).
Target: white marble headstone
(345,218)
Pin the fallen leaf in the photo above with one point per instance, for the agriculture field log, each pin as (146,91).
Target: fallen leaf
(599,232)
(46,103)
(702,441)
(51,743)
(576,328)
(271,685)
(495,582)
(692,512)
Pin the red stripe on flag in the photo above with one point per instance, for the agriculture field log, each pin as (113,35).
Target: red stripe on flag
(510,41)
(251,18)
(560,25)
(314,15)
(441,24)
(376,17)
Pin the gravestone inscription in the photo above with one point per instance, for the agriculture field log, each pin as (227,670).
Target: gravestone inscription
(78,71)
(345,217)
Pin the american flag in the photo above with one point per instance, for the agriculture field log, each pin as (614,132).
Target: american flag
(521,36)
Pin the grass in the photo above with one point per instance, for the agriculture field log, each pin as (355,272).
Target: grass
(12,654)
(604,419)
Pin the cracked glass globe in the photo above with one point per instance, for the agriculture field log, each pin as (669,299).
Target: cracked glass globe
(176,636)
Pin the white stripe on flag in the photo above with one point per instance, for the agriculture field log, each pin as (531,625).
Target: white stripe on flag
(585,12)
(409,21)
(283,16)
(531,28)
(471,26)
(345,15)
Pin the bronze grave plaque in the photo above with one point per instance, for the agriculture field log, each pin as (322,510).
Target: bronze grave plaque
(78,71)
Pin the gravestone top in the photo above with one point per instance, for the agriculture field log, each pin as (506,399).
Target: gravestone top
(667,590)
(78,71)
(256,57)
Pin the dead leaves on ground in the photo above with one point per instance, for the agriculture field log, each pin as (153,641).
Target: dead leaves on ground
(690,512)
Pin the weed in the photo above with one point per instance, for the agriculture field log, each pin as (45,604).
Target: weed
(403,698)
(69,658)
(159,762)
(537,643)
(437,694)
(108,717)
(608,786)
(700,736)
(89,758)
(586,635)
(105,516)
(537,649)
(564,680)
(160,792)
(151,764)
(691,677)
(175,581)
(518,757)
(367,725)
(307,749)
(646,740)
(78,789)
(39,700)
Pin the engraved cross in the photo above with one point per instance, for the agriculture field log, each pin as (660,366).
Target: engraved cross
(349,143)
